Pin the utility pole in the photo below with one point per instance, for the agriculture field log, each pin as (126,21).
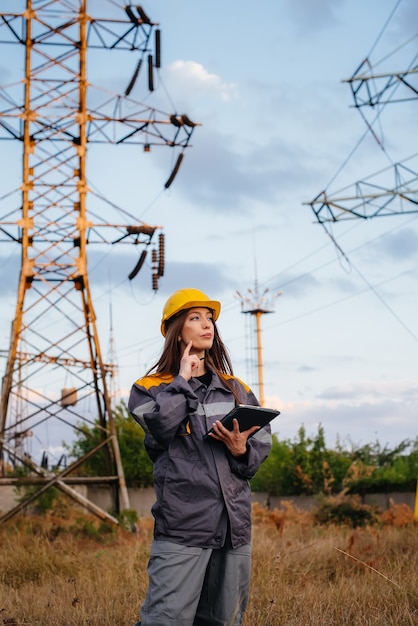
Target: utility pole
(55,377)
(256,305)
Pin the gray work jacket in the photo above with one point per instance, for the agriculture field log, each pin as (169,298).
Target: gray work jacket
(201,489)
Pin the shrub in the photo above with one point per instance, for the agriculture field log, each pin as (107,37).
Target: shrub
(344,510)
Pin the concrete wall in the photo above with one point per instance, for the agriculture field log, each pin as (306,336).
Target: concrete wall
(141,500)
(8,498)
(382,500)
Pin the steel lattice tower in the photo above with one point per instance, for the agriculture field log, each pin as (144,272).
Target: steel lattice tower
(55,113)
(258,304)
(394,190)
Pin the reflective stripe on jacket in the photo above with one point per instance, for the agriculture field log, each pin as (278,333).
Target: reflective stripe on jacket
(199,485)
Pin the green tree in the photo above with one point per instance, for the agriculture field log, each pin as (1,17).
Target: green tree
(389,469)
(302,466)
(272,476)
(136,462)
(309,471)
(312,468)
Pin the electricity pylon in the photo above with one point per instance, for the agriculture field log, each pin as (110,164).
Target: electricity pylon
(55,374)
(256,305)
(373,196)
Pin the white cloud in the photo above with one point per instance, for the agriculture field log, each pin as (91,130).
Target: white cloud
(371,391)
(193,77)
(359,413)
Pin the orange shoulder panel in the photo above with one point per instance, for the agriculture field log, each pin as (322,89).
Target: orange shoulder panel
(241,382)
(153,380)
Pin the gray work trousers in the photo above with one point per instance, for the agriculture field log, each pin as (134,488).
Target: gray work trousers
(196,586)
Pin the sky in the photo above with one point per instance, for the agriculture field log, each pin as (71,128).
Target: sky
(277,127)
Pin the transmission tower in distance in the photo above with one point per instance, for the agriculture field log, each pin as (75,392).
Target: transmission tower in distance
(56,381)
(393,190)
(257,304)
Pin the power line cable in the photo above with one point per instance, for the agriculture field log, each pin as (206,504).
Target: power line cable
(369,126)
(319,267)
(339,301)
(386,24)
(234,304)
(371,287)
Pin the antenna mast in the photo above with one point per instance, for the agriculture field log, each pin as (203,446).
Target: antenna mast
(257,304)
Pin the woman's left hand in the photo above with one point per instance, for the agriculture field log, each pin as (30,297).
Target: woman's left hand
(235,441)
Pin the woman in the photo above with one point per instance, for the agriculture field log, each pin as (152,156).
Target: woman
(199,567)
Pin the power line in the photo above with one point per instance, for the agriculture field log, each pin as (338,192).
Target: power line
(384,27)
(344,299)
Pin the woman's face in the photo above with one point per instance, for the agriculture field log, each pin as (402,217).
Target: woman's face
(198,328)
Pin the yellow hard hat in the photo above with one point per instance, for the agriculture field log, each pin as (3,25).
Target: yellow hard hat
(187,299)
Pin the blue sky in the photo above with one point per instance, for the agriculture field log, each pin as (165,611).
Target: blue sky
(278,127)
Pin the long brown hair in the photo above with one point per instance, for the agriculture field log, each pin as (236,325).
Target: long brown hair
(217,357)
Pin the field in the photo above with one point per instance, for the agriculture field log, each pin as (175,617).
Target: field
(73,571)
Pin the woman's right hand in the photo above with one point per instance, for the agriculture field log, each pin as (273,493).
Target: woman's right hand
(189,363)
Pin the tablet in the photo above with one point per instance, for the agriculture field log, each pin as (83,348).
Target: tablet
(247,416)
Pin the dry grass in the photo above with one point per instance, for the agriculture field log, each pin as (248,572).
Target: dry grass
(56,572)
(304,574)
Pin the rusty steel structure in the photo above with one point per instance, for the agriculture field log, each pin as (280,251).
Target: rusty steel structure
(55,378)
